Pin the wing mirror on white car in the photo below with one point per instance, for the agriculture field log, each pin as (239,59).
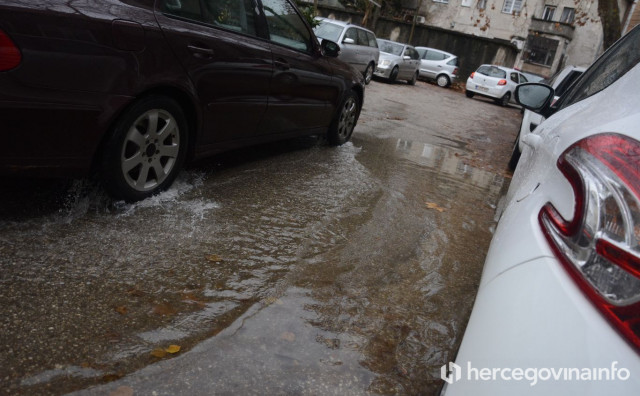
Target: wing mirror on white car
(535,97)
(349,41)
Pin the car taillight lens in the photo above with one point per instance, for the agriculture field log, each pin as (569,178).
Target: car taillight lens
(502,82)
(472,75)
(600,246)
(10,55)
(455,71)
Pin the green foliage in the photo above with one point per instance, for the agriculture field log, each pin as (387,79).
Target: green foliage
(308,12)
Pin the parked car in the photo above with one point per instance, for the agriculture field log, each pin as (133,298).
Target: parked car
(358,46)
(531,77)
(530,120)
(559,297)
(133,89)
(397,62)
(438,65)
(497,82)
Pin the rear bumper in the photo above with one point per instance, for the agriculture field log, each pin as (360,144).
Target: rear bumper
(490,92)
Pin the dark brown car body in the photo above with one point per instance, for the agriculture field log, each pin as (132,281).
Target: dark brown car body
(85,63)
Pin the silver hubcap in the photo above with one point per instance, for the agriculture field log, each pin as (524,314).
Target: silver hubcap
(442,81)
(347,118)
(368,74)
(150,150)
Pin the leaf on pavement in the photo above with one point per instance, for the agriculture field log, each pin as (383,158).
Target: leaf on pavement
(159,353)
(215,258)
(435,206)
(173,349)
(122,310)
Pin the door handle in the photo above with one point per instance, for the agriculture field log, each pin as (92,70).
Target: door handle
(200,51)
(281,64)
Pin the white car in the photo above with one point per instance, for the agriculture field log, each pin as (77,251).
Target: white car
(530,120)
(496,82)
(558,307)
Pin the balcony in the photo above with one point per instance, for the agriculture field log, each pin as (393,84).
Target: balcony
(552,27)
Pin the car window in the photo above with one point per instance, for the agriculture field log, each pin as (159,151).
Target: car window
(434,56)
(453,62)
(616,62)
(514,77)
(390,47)
(286,27)
(362,38)
(412,53)
(352,34)
(492,71)
(328,31)
(237,15)
(523,79)
(567,81)
(372,40)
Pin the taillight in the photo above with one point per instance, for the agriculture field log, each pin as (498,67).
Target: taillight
(472,75)
(502,82)
(455,71)
(600,246)
(10,55)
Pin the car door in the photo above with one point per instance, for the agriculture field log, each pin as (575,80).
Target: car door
(431,63)
(350,52)
(303,92)
(229,66)
(410,62)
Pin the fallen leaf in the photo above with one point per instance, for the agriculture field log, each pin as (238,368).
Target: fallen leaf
(173,349)
(122,310)
(435,206)
(214,258)
(288,336)
(164,309)
(159,353)
(122,391)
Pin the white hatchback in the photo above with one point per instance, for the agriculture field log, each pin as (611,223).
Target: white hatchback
(558,307)
(496,82)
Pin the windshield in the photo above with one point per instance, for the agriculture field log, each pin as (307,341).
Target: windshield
(328,31)
(390,47)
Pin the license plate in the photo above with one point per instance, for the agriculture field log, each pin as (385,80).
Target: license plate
(479,88)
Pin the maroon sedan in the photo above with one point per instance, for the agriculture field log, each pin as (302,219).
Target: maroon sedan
(132,89)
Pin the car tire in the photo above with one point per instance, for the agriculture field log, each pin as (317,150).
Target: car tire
(443,81)
(146,150)
(469,94)
(413,80)
(394,74)
(504,101)
(345,119)
(515,154)
(368,73)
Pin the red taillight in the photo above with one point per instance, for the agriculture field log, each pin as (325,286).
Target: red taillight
(502,82)
(600,246)
(455,71)
(10,55)
(472,75)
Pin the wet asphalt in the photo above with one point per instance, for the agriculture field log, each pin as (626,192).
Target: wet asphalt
(289,268)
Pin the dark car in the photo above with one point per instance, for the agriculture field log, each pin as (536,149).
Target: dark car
(132,89)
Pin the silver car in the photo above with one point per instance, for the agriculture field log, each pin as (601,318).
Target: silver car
(398,61)
(358,46)
(438,65)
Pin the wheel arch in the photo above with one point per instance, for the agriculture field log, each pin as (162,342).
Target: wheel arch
(184,100)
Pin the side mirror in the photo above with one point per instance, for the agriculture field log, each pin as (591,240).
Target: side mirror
(349,41)
(330,49)
(535,97)
(406,57)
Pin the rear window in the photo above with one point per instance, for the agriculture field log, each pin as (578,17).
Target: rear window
(492,71)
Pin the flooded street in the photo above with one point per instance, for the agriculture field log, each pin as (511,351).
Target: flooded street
(291,268)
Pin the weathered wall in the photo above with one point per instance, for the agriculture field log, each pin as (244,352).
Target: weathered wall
(472,51)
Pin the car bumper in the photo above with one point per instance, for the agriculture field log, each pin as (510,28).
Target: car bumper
(383,71)
(492,92)
(529,314)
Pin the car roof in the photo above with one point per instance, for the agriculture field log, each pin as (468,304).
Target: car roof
(435,49)
(395,42)
(341,23)
(508,69)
